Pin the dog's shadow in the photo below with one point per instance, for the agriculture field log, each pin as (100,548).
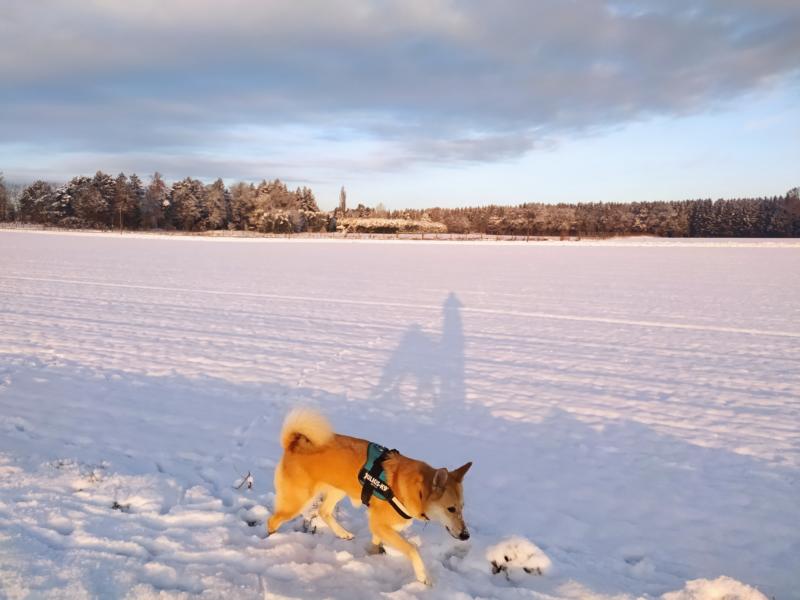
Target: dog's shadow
(426,370)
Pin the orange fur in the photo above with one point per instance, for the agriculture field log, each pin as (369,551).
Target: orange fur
(318,461)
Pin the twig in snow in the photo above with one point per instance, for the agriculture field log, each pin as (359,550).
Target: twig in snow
(245,479)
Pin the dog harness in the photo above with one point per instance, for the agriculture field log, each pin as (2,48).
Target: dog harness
(372,478)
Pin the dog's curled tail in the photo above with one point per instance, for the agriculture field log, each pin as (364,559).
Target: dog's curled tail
(304,427)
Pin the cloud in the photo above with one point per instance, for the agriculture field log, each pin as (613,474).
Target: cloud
(413,80)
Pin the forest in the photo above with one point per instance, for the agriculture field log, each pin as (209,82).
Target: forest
(127,203)
(122,202)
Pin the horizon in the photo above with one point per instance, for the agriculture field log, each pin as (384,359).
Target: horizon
(147,178)
(411,104)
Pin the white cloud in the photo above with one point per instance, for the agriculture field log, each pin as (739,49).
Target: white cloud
(414,79)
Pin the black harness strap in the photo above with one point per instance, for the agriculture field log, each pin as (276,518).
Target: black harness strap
(372,484)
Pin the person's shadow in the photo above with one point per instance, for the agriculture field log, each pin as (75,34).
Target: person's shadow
(426,370)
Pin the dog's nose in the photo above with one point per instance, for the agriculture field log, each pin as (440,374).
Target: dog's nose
(464,535)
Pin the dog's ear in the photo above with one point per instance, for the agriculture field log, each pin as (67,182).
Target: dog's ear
(459,473)
(439,481)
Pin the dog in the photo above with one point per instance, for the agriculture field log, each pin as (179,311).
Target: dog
(318,461)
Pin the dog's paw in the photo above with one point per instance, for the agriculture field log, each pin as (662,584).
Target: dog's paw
(374,549)
(309,526)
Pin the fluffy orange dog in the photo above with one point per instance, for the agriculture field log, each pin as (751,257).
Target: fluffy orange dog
(318,461)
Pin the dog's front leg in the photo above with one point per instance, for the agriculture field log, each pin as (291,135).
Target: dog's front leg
(392,538)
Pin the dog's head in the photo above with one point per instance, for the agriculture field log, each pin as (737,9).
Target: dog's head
(445,501)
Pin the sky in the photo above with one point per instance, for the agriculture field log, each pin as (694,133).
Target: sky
(410,103)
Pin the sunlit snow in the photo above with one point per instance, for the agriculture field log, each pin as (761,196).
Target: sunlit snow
(632,410)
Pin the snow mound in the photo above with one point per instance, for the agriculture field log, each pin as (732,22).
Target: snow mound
(721,588)
(515,555)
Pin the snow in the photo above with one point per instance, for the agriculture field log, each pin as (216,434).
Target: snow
(515,556)
(632,410)
(722,588)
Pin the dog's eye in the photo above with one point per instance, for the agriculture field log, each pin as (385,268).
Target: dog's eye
(452,509)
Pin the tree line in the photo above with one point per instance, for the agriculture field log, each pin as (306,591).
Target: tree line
(777,216)
(126,202)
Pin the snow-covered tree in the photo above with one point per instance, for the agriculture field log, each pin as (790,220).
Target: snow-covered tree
(136,194)
(187,204)
(34,201)
(92,208)
(154,203)
(123,203)
(306,200)
(60,210)
(103,201)
(218,205)
(242,203)
(6,211)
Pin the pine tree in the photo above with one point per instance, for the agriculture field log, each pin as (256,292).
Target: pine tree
(68,201)
(5,201)
(103,201)
(218,205)
(701,218)
(60,210)
(306,200)
(34,201)
(785,220)
(136,195)
(91,207)
(242,204)
(188,205)
(154,203)
(122,200)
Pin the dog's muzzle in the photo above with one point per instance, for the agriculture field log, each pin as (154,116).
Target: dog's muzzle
(464,535)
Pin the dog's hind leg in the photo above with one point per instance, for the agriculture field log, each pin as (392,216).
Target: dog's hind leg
(332,497)
(290,499)
(392,538)
(287,507)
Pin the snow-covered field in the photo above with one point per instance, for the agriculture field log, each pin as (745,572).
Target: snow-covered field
(632,411)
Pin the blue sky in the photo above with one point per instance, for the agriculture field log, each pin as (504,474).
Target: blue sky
(410,103)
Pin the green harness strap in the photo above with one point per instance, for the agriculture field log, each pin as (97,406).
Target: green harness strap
(372,478)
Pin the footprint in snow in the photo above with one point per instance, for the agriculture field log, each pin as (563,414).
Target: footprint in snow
(253,516)
(60,525)
(126,508)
